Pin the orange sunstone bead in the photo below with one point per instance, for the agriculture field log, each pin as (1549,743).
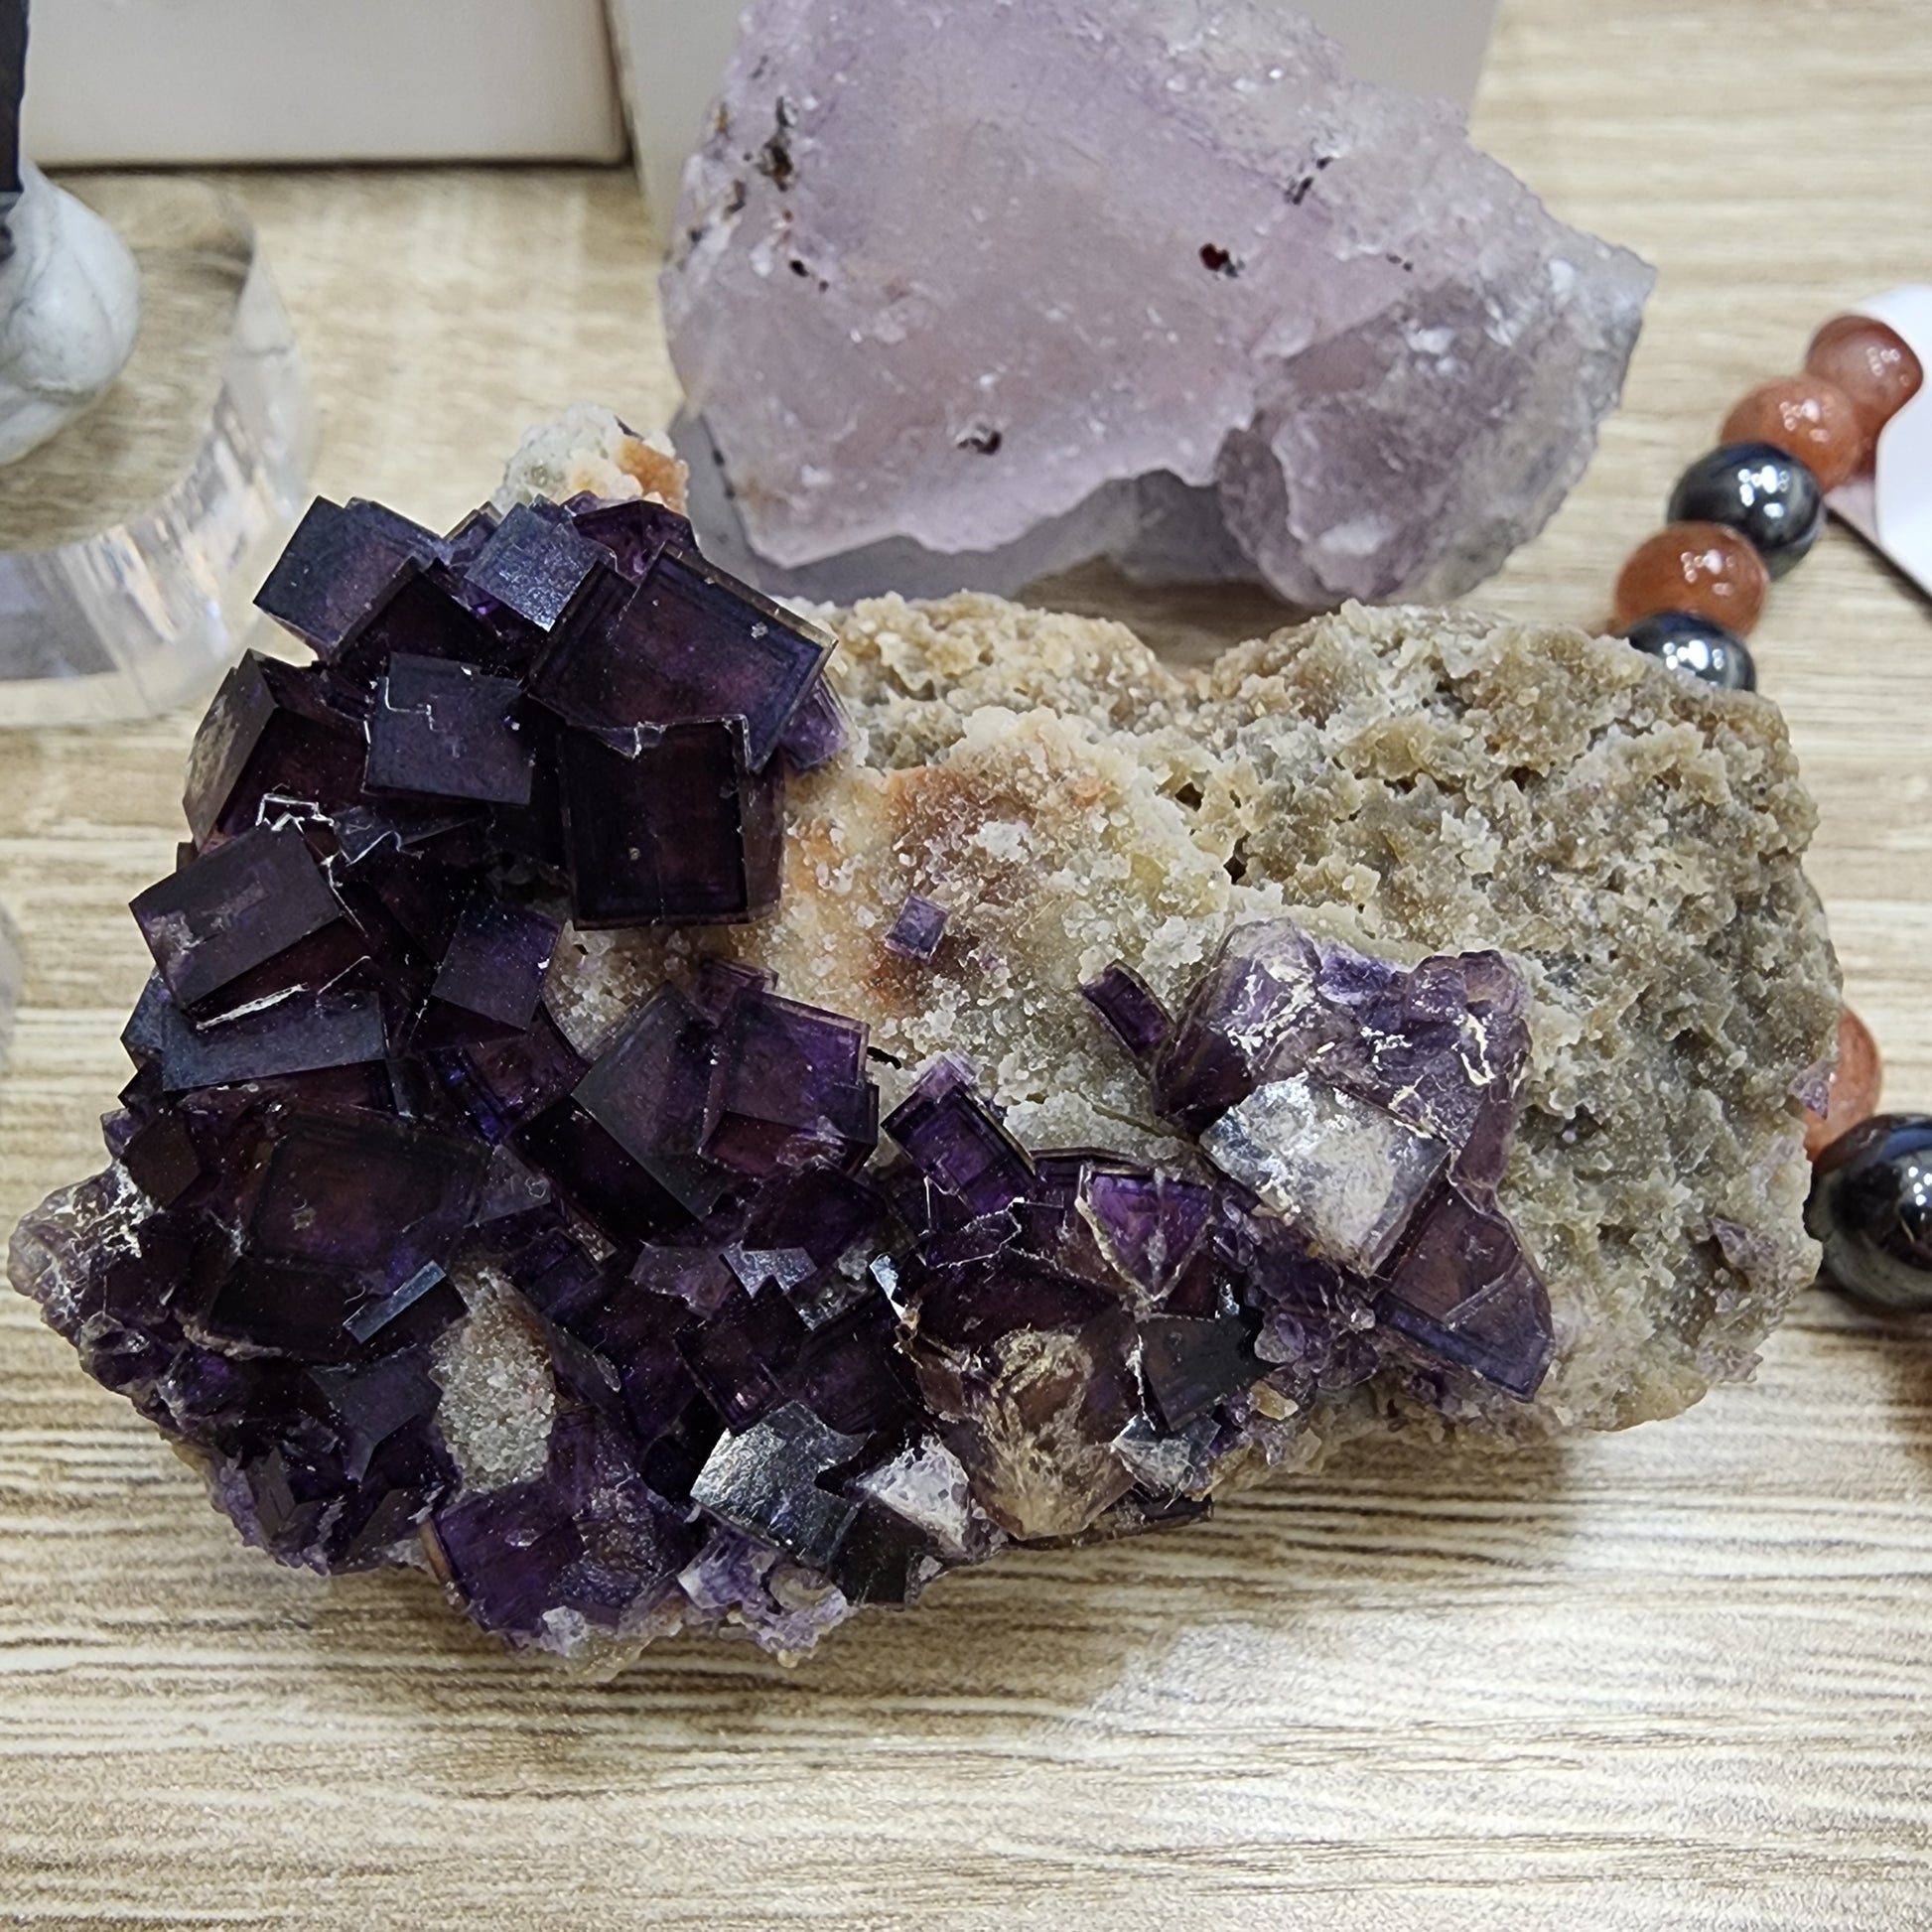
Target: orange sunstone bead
(1807,417)
(1703,568)
(1873,365)
(1856,1081)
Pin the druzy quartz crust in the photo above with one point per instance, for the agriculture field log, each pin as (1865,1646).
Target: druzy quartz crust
(571,1185)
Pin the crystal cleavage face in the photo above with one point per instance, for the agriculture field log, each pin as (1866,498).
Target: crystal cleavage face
(687,1335)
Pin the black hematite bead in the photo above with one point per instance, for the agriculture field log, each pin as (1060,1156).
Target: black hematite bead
(1765,496)
(1872,1206)
(1706,650)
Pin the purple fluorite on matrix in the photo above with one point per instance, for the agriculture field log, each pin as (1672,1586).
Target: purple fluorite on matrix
(681,1334)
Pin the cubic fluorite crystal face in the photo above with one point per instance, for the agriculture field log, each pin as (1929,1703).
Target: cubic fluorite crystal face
(339,569)
(445,728)
(1350,1173)
(676,1331)
(235,909)
(919,928)
(671,827)
(968,299)
(688,642)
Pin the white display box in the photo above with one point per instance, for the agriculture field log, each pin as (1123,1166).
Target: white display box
(671,55)
(130,82)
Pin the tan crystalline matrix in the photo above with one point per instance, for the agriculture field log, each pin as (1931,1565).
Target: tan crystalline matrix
(1404,781)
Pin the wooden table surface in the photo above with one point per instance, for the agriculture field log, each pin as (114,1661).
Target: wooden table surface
(1675,1676)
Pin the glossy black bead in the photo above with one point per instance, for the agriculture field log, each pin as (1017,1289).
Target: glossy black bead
(1769,497)
(1694,645)
(1871,1207)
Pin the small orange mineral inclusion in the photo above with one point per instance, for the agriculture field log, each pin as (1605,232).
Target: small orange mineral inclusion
(1703,568)
(1856,1081)
(1806,417)
(1873,364)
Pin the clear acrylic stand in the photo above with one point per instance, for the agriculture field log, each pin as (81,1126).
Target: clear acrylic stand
(132,543)
(12,972)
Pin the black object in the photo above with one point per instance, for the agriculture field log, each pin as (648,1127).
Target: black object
(1872,1206)
(1694,645)
(1767,496)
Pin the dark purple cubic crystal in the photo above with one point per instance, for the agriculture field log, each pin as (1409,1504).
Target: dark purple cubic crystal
(588,1544)
(296,1032)
(233,910)
(613,1193)
(916,932)
(765,1483)
(427,1301)
(494,968)
(363,1196)
(1464,1291)
(162,1157)
(789,1087)
(810,1234)
(535,566)
(1128,1004)
(634,533)
(675,829)
(341,564)
(427,615)
(424,545)
(690,644)
(743,1358)
(370,1404)
(651,1092)
(956,1139)
(269,732)
(818,730)
(1190,1364)
(1148,1226)
(499,1084)
(448,730)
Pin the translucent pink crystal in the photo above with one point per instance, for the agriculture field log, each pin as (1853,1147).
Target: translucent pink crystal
(975,296)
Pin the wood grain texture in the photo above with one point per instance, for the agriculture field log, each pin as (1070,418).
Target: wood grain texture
(1675,1676)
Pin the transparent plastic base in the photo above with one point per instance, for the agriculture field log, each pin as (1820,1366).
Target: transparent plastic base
(12,971)
(133,543)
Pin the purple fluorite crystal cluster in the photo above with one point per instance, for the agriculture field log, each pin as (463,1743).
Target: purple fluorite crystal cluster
(759,1357)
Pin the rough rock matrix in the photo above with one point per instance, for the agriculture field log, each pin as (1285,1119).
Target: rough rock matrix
(969,294)
(1406,781)
(677,1124)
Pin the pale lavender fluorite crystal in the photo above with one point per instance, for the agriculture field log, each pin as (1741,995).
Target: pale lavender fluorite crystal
(1027,285)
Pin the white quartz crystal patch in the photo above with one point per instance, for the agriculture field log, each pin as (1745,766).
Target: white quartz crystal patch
(926,1485)
(1347,1173)
(498,1397)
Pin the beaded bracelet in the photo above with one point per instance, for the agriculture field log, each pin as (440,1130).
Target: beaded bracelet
(1751,510)
(1738,517)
